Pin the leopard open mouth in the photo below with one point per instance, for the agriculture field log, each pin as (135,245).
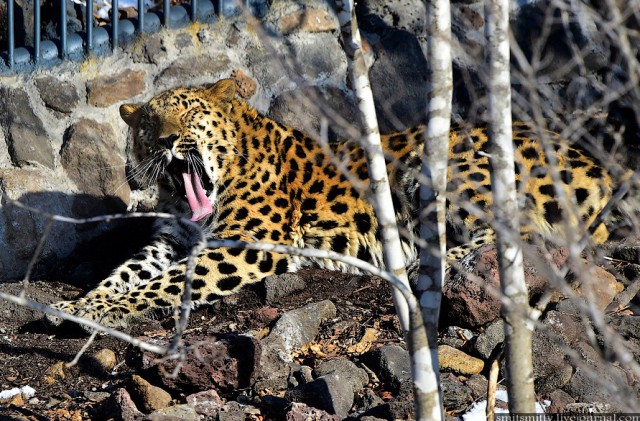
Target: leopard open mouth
(196,190)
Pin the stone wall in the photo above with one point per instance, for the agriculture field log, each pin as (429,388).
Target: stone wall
(63,144)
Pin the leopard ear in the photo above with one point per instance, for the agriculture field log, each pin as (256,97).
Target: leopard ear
(222,91)
(131,114)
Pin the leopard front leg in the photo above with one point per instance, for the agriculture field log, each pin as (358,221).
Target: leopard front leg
(218,272)
(148,264)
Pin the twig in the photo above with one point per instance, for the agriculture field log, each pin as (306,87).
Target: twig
(26,302)
(83,349)
(622,299)
(185,302)
(492,385)
(36,255)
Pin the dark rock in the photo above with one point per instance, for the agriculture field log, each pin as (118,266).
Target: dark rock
(27,138)
(152,50)
(398,408)
(302,412)
(120,407)
(574,305)
(329,101)
(453,342)
(392,365)
(473,299)
(183,41)
(231,411)
(378,15)
(265,315)
(569,327)
(560,41)
(332,392)
(456,397)
(222,362)
(293,330)
(367,399)
(192,68)
(550,366)
(478,384)
(206,403)
(399,81)
(20,314)
(301,375)
(353,374)
(107,90)
(559,401)
(492,336)
(90,155)
(595,380)
(275,403)
(321,59)
(627,326)
(22,230)
(279,286)
(58,95)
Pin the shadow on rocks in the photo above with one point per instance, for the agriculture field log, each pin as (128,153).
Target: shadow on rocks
(80,254)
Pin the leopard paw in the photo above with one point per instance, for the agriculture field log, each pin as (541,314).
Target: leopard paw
(64,306)
(97,310)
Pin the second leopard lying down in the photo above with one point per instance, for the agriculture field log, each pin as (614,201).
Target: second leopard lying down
(246,177)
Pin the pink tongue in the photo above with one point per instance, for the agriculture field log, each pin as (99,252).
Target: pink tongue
(198,200)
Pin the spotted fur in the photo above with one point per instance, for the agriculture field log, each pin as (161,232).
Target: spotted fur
(271,183)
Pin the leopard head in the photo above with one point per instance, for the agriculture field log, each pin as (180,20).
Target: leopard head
(187,136)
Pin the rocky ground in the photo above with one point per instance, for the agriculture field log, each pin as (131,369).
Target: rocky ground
(314,345)
(328,329)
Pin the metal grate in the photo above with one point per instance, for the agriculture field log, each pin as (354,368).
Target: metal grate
(101,39)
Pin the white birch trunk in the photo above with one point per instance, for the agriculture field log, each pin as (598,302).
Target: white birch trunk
(516,310)
(434,169)
(425,382)
(379,182)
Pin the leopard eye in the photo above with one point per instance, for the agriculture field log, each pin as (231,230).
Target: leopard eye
(167,141)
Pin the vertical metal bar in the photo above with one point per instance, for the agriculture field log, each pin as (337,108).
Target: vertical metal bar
(166,13)
(36,31)
(194,10)
(89,26)
(10,34)
(63,28)
(114,24)
(141,16)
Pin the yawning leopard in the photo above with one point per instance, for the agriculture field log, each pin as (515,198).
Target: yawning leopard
(243,176)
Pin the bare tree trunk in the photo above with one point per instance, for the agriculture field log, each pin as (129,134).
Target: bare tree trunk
(379,182)
(432,192)
(516,310)
(425,380)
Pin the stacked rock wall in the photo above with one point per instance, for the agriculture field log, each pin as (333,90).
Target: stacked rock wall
(63,145)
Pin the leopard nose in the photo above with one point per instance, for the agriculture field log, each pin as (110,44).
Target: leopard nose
(168,141)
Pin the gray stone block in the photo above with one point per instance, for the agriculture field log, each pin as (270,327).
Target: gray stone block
(28,139)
